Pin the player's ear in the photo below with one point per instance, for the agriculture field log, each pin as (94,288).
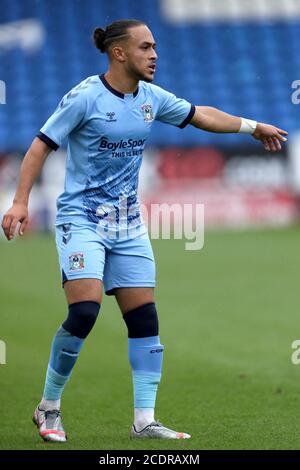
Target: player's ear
(118,53)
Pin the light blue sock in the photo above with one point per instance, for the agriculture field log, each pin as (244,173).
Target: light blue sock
(145,357)
(64,352)
(54,384)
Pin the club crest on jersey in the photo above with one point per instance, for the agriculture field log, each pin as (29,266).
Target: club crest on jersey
(147,112)
(76,261)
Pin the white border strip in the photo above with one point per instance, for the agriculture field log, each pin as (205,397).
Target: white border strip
(228,10)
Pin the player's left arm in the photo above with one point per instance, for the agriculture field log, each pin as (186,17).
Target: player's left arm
(214,120)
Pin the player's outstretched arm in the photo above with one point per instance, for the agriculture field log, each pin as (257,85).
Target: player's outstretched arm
(30,169)
(214,120)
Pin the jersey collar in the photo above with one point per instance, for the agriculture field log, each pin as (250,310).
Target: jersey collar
(112,90)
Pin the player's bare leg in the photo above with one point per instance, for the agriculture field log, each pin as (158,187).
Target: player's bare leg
(129,298)
(81,290)
(145,356)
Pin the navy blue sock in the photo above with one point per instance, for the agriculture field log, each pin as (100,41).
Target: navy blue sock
(66,346)
(145,354)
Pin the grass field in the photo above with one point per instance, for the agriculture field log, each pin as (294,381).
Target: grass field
(228,316)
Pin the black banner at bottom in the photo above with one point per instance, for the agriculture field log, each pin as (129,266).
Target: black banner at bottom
(134,458)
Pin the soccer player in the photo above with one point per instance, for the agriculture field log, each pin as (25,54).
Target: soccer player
(100,235)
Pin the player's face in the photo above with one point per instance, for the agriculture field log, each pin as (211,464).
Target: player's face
(140,54)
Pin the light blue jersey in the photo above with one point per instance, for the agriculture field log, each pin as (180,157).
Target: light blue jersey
(107,132)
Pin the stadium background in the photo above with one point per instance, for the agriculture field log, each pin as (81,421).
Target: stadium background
(228,377)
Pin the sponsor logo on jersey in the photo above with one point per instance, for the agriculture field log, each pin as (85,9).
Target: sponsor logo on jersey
(76,261)
(147,112)
(129,144)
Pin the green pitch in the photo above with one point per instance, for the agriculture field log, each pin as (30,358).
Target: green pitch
(228,316)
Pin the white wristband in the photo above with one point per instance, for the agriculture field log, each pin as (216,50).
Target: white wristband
(248,126)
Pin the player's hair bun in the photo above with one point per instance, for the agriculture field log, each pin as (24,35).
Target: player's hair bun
(99,38)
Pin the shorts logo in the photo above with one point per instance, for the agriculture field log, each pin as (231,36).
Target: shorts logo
(76,261)
(67,234)
(147,112)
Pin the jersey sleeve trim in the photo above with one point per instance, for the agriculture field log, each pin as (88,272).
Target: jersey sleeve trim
(188,118)
(47,140)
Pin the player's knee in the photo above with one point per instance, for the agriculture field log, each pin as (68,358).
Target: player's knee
(81,318)
(142,322)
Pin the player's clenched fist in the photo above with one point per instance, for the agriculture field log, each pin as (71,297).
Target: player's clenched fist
(18,213)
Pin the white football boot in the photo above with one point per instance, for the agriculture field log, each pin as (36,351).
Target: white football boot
(156,430)
(50,425)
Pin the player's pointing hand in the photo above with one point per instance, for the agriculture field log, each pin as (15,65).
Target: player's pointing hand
(270,136)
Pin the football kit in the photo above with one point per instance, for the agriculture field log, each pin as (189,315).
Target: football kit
(100,231)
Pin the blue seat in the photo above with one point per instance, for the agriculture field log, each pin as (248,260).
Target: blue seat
(209,64)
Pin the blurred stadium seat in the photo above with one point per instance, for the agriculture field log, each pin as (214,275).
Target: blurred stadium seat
(226,64)
(240,57)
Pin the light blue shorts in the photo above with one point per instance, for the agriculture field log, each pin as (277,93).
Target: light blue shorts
(119,262)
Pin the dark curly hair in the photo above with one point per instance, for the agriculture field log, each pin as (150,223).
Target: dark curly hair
(103,38)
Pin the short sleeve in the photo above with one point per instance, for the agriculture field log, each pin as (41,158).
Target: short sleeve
(173,110)
(67,116)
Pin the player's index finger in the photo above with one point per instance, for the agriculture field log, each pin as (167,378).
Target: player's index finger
(280,137)
(6,221)
(281,131)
